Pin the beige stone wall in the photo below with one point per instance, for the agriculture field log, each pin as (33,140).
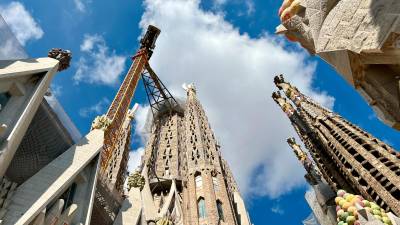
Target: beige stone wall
(367,165)
(26,81)
(182,147)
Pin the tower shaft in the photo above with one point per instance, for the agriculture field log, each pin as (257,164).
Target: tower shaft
(368,165)
(182,159)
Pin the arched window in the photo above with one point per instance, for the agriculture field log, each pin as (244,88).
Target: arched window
(220,211)
(199,181)
(201,207)
(167,171)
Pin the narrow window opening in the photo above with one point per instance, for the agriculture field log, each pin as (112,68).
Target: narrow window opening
(220,210)
(201,207)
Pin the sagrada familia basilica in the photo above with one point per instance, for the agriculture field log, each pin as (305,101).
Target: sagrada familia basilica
(50,175)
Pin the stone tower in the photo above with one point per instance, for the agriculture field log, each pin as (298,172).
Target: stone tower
(186,179)
(116,171)
(348,157)
(110,184)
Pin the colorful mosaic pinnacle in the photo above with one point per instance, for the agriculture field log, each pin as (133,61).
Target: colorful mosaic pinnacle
(348,207)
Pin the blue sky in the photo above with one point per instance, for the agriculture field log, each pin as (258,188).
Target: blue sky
(229,50)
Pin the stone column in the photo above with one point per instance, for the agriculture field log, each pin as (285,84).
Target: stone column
(194,217)
(209,197)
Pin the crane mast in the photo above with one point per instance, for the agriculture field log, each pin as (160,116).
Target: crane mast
(120,105)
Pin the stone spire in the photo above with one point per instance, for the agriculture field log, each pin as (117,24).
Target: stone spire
(186,178)
(348,157)
(313,176)
(190,90)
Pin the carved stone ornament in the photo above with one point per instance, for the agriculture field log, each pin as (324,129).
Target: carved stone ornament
(63,56)
(136,180)
(101,122)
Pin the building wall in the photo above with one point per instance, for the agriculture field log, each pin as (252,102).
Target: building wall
(183,147)
(366,164)
(44,140)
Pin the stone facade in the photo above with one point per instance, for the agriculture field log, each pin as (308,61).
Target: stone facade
(110,185)
(348,157)
(44,177)
(186,178)
(320,197)
(359,38)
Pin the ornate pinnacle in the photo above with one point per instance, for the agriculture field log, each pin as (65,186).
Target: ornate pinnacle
(279,80)
(290,91)
(63,56)
(313,176)
(283,103)
(101,122)
(191,87)
(136,180)
(301,155)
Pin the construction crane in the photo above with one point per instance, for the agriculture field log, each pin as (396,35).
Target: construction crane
(159,97)
(120,105)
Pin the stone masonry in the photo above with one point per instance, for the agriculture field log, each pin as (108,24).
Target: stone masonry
(182,151)
(364,163)
(359,38)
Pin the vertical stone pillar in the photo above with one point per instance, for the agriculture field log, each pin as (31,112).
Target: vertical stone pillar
(194,217)
(185,205)
(209,197)
(226,206)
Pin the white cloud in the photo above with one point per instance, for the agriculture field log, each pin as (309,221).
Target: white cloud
(234,77)
(219,2)
(250,7)
(89,41)
(21,22)
(135,158)
(141,118)
(97,109)
(80,5)
(98,64)
(277,209)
